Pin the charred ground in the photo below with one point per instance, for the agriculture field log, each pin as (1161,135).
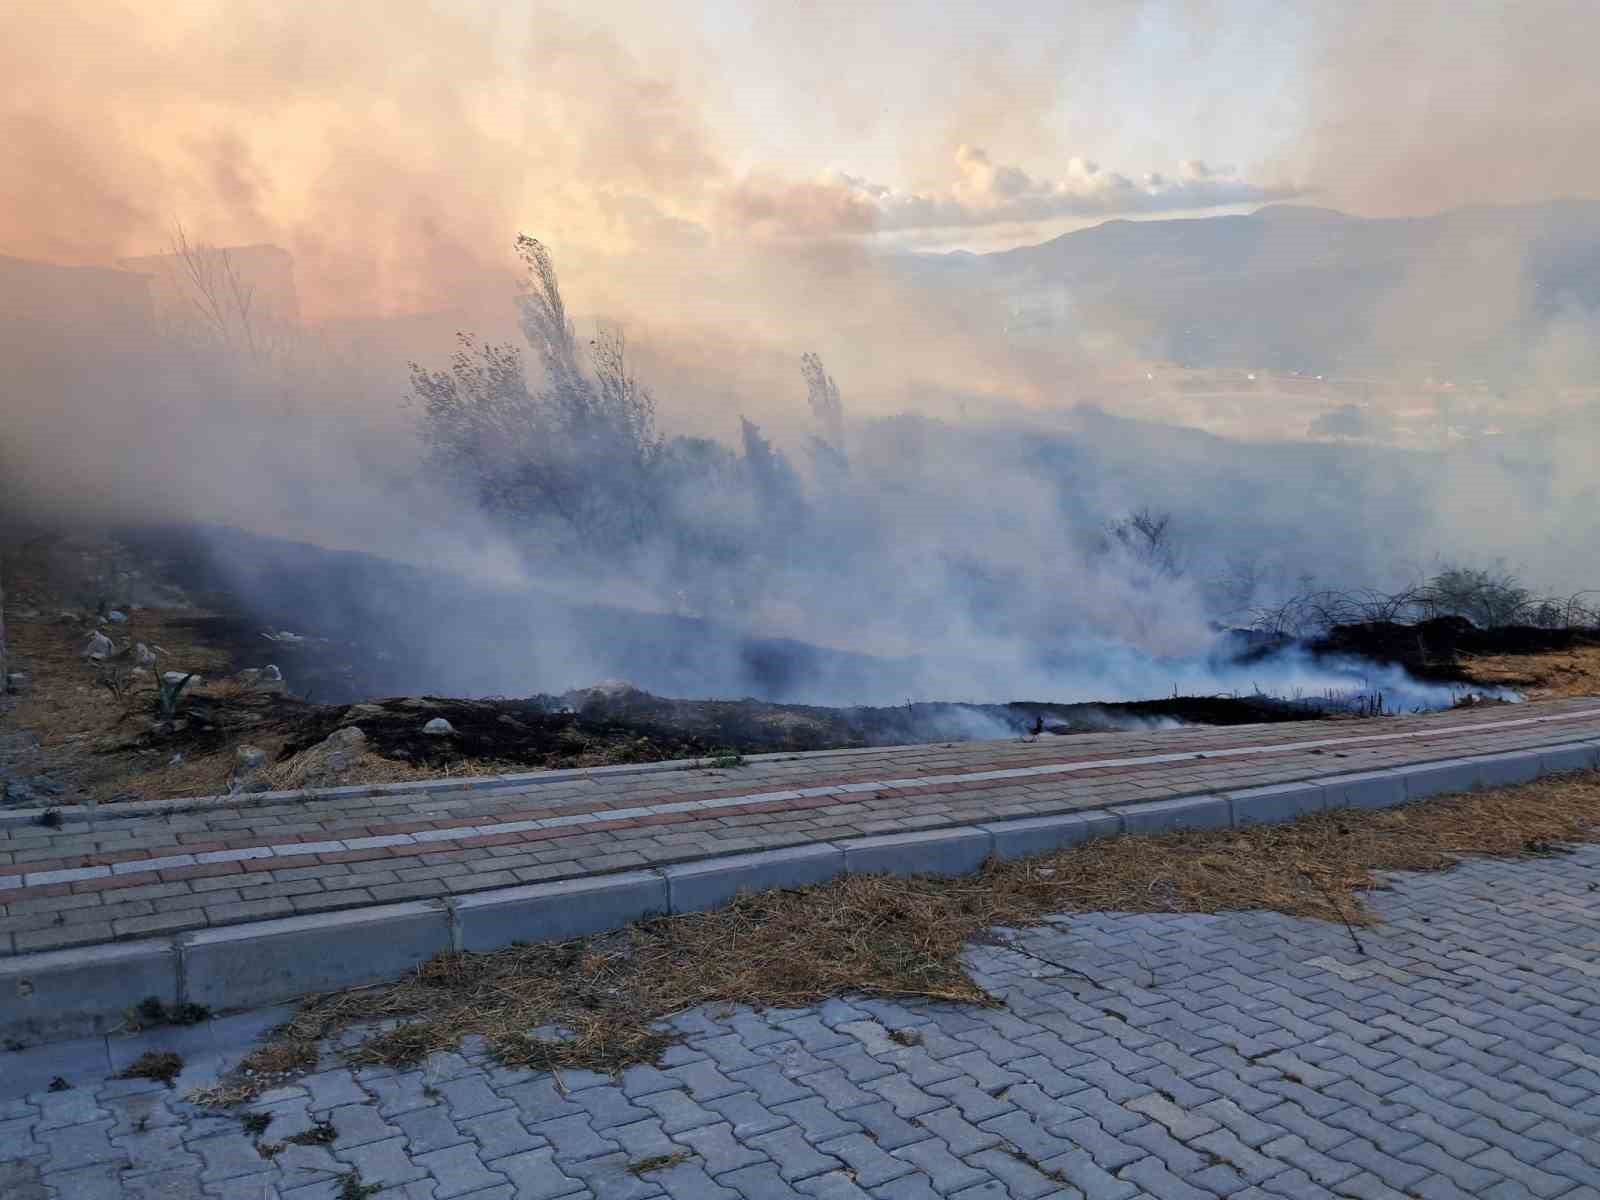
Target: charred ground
(87,728)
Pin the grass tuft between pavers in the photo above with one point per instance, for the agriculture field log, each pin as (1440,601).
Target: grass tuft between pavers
(598,1002)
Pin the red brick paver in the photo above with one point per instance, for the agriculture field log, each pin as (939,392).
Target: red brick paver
(237,860)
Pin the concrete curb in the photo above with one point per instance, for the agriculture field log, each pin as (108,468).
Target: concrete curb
(66,993)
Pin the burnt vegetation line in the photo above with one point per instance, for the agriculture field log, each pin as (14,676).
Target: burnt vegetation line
(635,726)
(598,1002)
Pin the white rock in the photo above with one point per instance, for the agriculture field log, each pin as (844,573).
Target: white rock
(438,727)
(176,677)
(143,655)
(99,647)
(116,617)
(250,757)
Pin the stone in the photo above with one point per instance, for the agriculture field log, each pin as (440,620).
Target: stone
(143,655)
(263,679)
(117,617)
(325,763)
(99,647)
(438,727)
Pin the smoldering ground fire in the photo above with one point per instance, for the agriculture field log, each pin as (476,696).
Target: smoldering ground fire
(949,522)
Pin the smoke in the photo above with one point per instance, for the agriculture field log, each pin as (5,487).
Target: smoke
(741,193)
(1416,108)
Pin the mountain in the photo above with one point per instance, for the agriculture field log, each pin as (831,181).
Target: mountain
(1474,291)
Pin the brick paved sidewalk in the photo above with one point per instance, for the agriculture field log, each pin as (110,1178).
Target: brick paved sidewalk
(1176,1057)
(228,862)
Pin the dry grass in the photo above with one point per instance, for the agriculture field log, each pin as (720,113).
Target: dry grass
(374,768)
(597,1002)
(160,1065)
(267,1066)
(1558,675)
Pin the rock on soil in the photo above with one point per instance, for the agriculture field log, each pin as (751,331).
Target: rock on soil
(326,763)
(98,647)
(250,762)
(438,727)
(263,679)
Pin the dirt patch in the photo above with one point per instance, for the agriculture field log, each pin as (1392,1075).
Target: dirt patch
(596,1002)
(92,724)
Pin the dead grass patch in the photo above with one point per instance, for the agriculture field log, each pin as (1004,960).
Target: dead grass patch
(1556,675)
(597,1002)
(373,768)
(278,1061)
(160,1065)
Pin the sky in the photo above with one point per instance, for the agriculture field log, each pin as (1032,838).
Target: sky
(395,148)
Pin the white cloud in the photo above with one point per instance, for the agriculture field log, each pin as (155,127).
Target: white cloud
(985,192)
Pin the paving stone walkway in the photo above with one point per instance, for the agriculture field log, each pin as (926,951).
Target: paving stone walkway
(115,876)
(1177,1057)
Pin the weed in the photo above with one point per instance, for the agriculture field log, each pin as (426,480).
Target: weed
(151,1013)
(168,693)
(59,1084)
(351,1187)
(255,1123)
(659,1162)
(905,1037)
(321,1134)
(160,1065)
(49,818)
(722,760)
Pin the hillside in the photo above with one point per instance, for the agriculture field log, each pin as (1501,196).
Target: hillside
(1308,289)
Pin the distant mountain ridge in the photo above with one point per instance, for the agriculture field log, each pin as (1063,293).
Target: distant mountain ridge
(1478,290)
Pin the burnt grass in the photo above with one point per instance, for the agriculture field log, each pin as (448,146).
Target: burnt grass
(633,726)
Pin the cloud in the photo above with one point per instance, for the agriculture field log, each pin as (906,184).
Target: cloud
(985,192)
